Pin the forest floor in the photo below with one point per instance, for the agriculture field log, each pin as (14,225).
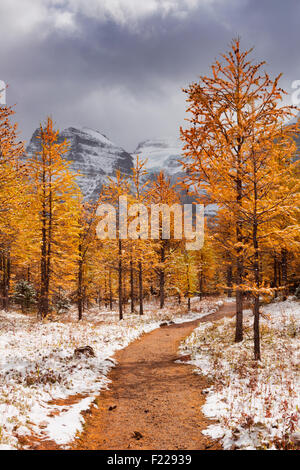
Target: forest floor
(256,404)
(169,379)
(46,390)
(153,401)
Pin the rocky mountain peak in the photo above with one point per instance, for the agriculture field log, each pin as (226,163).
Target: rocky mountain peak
(91,154)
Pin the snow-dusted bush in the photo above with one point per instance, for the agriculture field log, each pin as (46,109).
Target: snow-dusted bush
(24,294)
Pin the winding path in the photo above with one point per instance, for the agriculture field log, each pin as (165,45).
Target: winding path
(153,402)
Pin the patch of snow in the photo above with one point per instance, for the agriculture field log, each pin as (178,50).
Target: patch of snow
(38,367)
(161,154)
(62,428)
(256,405)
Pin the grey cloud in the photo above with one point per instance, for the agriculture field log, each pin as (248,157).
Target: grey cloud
(127,82)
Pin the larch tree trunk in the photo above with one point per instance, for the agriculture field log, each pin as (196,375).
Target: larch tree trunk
(120,278)
(44,299)
(80,283)
(162,278)
(284,272)
(131,286)
(5,280)
(275,275)
(239,270)
(239,223)
(141,288)
(110,290)
(229,280)
(256,296)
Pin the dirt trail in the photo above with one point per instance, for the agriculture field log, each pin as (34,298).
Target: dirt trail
(153,402)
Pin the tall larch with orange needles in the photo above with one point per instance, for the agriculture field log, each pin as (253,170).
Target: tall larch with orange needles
(54,208)
(162,192)
(232,114)
(11,195)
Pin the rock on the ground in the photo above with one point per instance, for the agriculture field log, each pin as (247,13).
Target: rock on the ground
(85,350)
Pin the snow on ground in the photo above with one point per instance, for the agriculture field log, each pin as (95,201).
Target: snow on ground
(37,366)
(161,154)
(254,405)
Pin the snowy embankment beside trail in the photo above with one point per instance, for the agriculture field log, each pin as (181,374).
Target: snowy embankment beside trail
(38,367)
(255,405)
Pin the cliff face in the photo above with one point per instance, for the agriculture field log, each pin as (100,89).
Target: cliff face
(95,157)
(92,155)
(161,154)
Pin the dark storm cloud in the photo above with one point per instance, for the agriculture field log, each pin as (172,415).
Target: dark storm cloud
(126,81)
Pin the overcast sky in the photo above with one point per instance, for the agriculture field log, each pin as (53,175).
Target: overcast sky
(118,66)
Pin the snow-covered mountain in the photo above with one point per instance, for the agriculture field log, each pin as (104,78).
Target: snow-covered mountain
(161,154)
(95,157)
(165,154)
(91,154)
